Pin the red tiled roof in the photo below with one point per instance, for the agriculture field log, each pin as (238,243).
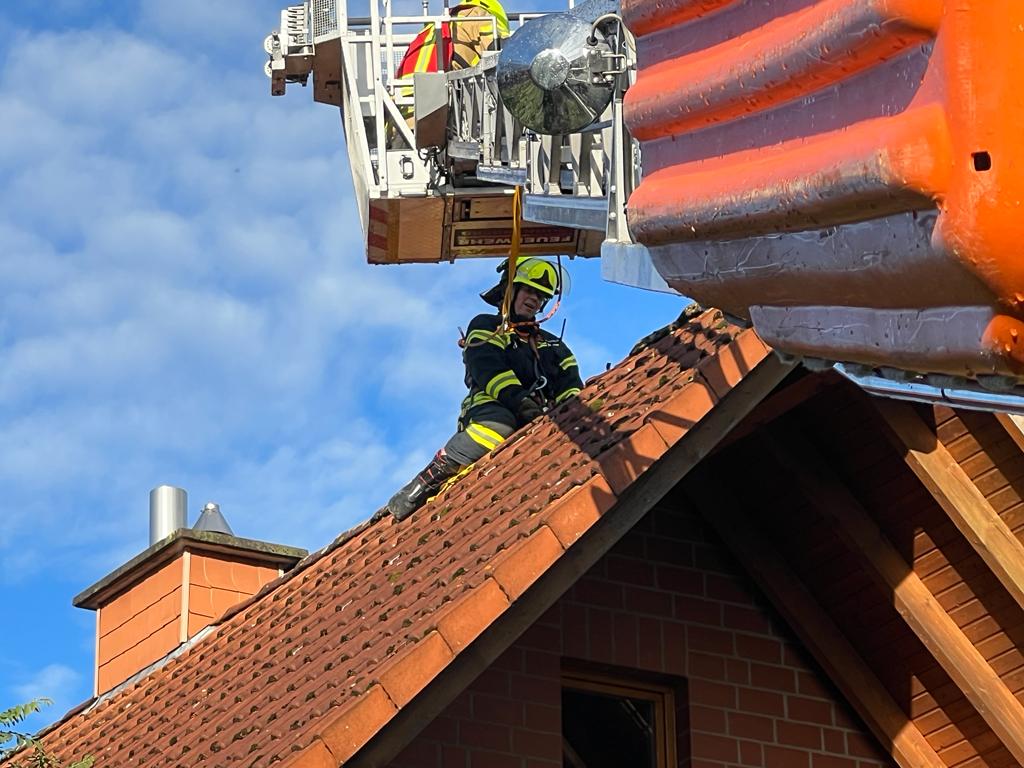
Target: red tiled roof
(316,664)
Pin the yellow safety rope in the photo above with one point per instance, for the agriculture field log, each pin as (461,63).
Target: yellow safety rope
(506,325)
(453,480)
(513,258)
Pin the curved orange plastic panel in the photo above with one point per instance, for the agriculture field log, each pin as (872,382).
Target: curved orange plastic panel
(981,209)
(881,166)
(646,16)
(785,59)
(763,122)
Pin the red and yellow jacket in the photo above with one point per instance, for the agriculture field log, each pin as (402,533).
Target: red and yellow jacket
(462,42)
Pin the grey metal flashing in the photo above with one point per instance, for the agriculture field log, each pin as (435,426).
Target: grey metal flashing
(966,395)
(199,636)
(499,174)
(167,549)
(631,265)
(464,150)
(567,211)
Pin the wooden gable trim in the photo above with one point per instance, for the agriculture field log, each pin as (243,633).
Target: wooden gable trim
(812,625)
(954,491)
(1014,425)
(911,598)
(635,501)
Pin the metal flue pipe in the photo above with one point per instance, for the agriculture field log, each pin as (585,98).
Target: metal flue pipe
(168,511)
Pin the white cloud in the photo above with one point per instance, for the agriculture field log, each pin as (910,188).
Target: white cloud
(99,75)
(54,681)
(203,23)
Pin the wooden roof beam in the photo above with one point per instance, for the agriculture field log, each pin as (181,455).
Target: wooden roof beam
(911,598)
(816,630)
(951,487)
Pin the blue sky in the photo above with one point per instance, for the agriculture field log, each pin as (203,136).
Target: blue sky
(184,299)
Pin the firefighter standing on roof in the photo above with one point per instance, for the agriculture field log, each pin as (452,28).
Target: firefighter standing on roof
(512,376)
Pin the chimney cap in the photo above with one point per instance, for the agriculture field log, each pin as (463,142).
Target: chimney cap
(212,520)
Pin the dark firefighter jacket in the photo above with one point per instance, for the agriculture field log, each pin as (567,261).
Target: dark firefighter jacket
(502,368)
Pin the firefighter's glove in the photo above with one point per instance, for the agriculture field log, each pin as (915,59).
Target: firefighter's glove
(528,410)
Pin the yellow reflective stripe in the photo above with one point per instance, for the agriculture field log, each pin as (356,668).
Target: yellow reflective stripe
(493,337)
(479,440)
(478,399)
(496,436)
(568,363)
(427,51)
(514,381)
(500,382)
(567,394)
(484,436)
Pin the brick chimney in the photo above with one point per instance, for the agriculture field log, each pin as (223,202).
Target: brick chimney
(178,586)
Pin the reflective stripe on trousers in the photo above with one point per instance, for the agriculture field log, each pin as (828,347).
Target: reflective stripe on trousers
(488,428)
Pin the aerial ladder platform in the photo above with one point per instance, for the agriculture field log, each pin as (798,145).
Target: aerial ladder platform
(434,157)
(845,175)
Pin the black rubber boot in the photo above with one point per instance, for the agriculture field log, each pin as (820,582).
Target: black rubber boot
(414,494)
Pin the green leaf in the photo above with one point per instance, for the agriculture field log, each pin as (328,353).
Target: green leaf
(31,754)
(19,712)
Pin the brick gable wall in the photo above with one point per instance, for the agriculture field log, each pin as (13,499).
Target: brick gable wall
(666,600)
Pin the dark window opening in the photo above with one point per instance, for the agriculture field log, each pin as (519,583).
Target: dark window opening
(610,722)
(982,161)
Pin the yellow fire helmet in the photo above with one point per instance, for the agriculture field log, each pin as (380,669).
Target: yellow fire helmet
(538,274)
(545,277)
(494,8)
